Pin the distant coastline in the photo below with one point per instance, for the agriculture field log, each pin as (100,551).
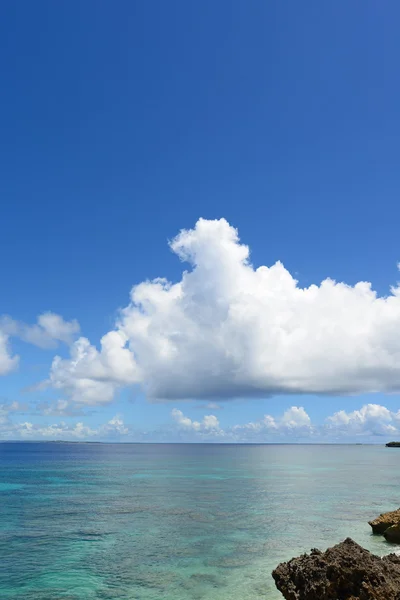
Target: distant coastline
(200,443)
(52,442)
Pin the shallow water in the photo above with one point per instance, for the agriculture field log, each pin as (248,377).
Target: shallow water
(193,522)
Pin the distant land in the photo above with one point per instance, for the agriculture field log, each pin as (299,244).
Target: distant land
(390,444)
(49,442)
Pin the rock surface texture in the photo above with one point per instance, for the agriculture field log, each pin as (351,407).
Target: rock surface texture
(385,520)
(345,572)
(392,534)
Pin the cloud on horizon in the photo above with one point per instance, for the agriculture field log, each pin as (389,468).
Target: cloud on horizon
(209,423)
(114,429)
(372,422)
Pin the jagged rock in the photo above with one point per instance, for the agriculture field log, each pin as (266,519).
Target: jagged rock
(392,534)
(346,572)
(385,520)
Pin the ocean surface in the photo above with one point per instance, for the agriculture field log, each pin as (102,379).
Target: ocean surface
(175,522)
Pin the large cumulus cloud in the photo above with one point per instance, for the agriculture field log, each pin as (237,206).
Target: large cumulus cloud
(227,330)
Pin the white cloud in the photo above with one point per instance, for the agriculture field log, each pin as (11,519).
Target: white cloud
(92,377)
(59,408)
(61,431)
(46,333)
(49,330)
(57,329)
(8,408)
(227,329)
(8,362)
(115,426)
(370,422)
(371,419)
(294,421)
(296,417)
(213,406)
(209,422)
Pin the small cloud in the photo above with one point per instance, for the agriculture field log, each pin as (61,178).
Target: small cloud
(213,406)
(61,408)
(115,427)
(208,406)
(93,377)
(49,330)
(8,362)
(209,422)
(40,386)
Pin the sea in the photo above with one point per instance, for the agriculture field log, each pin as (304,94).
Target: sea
(180,521)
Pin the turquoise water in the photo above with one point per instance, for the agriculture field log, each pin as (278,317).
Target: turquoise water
(151,522)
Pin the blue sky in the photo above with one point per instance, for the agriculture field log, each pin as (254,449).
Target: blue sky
(124,123)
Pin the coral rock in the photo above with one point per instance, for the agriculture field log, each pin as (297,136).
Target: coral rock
(385,520)
(346,572)
(392,534)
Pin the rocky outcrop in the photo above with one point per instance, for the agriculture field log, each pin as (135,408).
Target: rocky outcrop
(392,534)
(346,572)
(385,520)
(393,445)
